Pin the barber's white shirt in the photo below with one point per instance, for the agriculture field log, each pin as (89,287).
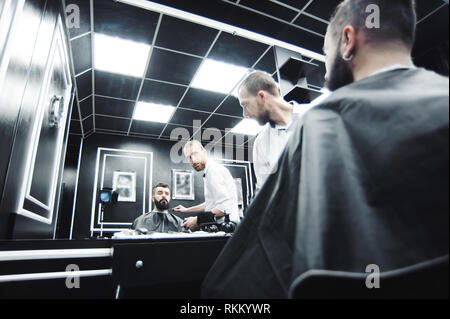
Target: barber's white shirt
(268,146)
(220,191)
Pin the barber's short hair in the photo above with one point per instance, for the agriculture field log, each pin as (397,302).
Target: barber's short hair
(397,20)
(187,147)
(260,81)
(163,185)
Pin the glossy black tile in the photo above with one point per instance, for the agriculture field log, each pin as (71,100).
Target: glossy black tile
(116,85)
(114,107)
(161,93)
(84,85)
(180,35)
(323,9)
(81,50)
(86,107)
(237,50)
(124,21)
(201,100)
(172,67)
(270,8)
(188,117)
(311,24)
(231,106)
(111,123)
(221,122)
(144,127)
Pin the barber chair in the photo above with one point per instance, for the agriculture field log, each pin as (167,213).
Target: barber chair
(426,280)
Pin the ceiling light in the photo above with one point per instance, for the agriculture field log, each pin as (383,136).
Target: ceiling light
(247,127)
(218,76)
(151,112)
(120,56)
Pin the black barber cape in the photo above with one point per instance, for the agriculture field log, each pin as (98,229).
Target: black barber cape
(159,222)
(363,180)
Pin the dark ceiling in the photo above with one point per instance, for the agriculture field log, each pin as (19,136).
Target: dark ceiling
(105,102)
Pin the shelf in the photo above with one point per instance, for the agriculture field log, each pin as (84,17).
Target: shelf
(294,69)
(301,94)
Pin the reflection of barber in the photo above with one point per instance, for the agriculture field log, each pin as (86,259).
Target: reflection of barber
(220,189)
(160,220)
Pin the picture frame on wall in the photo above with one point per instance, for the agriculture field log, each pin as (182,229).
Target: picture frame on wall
(183,184)
(124,183)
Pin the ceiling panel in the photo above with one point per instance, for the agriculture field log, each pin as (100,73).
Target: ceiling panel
(172,67)
(88,124)
(84,85)
(86,107)
(237,50)
(201,100)
(114,107)
(299,4)
(222,122)
(112,123)
(187,117)
(323,9)
(115,85)
(149,128)
(124,21)
(231,106)
(185,36)
(311,23)
(270,8)
(161,93)
(267,63)
(81,50)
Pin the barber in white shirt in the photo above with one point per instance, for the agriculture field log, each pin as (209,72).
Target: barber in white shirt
(260,99)
(220,189)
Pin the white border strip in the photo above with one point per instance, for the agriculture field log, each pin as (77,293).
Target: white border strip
(56,275)
(152,6)
(15,255)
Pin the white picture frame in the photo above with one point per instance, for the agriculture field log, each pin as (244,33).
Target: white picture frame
(124,183)
(183,184)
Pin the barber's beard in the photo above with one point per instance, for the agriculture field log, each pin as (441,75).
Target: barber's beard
(340,75)
(161,206)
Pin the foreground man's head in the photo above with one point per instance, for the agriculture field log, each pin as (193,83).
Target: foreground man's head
(365,35)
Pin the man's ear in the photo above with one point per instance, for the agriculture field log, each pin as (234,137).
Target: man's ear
(262,95)
(348,42)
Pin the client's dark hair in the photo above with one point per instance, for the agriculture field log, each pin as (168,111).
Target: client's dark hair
(163,185)
(397,20)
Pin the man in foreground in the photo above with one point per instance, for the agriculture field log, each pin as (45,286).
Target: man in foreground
(364,179)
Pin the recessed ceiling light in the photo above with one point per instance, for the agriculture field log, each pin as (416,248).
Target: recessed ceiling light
(218,76)
(151,112)
(120,56)
(247,127)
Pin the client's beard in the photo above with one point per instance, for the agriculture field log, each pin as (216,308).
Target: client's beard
(161,206)
(340,75)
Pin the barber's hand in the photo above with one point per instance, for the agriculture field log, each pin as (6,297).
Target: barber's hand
(190,222)
(180,208)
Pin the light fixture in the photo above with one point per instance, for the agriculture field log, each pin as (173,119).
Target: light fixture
(116,55)
(152,112)
(218,76)
(247,127)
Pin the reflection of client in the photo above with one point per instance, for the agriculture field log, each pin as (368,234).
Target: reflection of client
(160,220)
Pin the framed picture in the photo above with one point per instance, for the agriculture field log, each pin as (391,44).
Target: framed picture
(183,184)
(124,183)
